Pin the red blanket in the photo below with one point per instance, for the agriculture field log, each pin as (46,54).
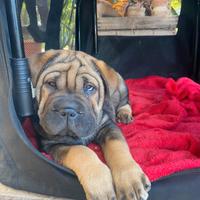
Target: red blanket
(165,135)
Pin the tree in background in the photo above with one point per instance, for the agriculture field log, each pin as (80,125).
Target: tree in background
(67,25)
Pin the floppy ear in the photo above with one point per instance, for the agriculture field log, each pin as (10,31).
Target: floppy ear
(116,93)
(114,82)
(37,62)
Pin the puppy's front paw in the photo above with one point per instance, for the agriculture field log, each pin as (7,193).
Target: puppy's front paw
(124,114)
(97,183)
(131,183)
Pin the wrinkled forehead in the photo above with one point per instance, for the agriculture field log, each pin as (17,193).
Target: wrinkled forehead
(70,64)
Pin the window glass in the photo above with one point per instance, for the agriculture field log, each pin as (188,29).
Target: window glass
(138,17)
(47,24)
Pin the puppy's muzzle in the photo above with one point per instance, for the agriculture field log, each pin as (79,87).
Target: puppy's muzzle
(70,110)
(69,115)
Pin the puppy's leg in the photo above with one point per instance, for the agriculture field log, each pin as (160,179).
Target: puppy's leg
(124,114)
(129,179)
(123,109)
(94,176)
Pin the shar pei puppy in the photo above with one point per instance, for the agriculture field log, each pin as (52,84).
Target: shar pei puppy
(79,99)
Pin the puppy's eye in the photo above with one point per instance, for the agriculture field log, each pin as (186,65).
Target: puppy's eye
(52,84)
(89,89)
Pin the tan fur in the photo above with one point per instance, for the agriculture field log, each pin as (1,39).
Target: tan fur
(87,167)
(61,82)
(109,74)
(37,61)
(71,73)
(67,69)
(125,171)
(114,81)
(124,114)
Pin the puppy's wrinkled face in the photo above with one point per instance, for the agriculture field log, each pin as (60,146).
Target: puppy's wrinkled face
(70,95)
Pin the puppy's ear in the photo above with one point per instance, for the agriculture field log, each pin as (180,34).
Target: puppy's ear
(38,61)
(114,87)
(111,78)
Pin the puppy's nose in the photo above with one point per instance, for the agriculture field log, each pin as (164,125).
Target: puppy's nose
(68,112)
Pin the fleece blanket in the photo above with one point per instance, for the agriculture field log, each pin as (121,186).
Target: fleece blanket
(164,137)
